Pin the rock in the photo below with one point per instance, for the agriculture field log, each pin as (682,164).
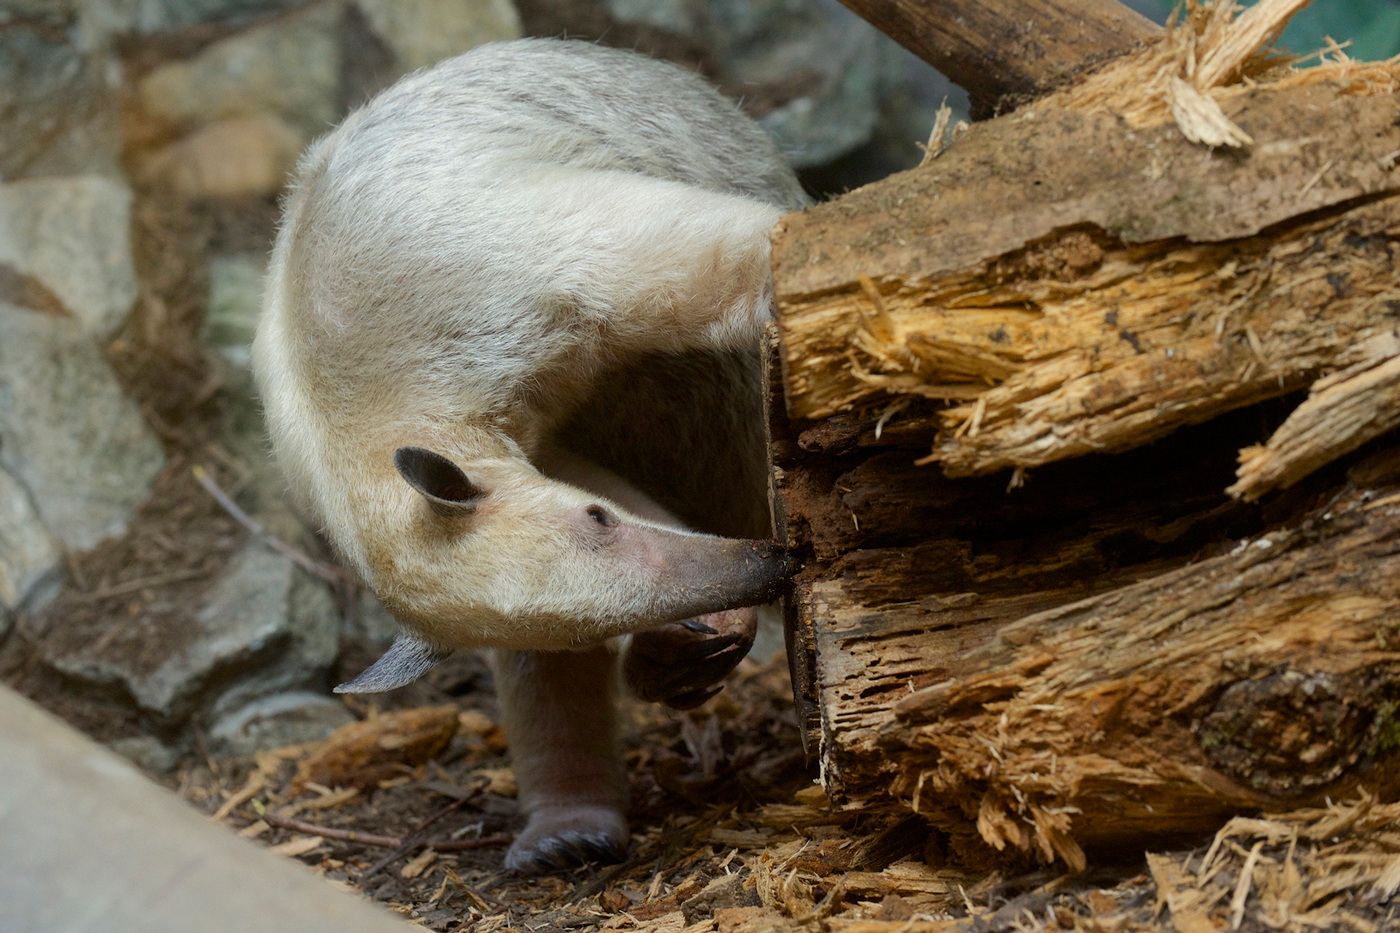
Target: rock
(232,158)
(30,559)
(371,625)
(281,719)
(422,32)
(681,17)
(77,445)
(58,115)
(289,68)
(73,235)
(147,752)
(99,20)
(840,66)
(235,301)
(266,628)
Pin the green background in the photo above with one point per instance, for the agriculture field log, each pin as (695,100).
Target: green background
(1372,25)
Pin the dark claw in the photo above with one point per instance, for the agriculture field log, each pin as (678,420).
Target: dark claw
(693,699)
(691,651)
(572,850)
(695,625)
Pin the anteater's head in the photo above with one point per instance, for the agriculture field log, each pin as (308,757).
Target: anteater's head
(497,554)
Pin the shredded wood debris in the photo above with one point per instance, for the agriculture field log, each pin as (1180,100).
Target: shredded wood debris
(732,836)
(1211,53)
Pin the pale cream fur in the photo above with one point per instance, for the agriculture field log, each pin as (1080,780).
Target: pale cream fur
(463,265)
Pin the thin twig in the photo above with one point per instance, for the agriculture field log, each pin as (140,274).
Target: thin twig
(414,839)
(314,567)
(132,586)
(387,842)
(340,835)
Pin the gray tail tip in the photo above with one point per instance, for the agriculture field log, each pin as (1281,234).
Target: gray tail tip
(407,659)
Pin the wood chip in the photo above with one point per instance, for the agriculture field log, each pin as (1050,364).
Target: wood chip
(298,845)
(255,783)
(418,864)
(254,830)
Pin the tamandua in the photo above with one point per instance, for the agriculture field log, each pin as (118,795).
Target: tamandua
(508,356)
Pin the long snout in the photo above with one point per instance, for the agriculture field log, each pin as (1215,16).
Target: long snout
(702,574)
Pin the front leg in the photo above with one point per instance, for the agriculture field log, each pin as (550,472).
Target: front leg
(561,722)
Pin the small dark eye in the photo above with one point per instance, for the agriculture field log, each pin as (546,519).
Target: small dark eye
(601,515)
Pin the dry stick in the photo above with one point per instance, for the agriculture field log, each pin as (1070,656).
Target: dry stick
(998,47)
(414,838)
(141,583)
(340,835)
(314,567)
(388,842)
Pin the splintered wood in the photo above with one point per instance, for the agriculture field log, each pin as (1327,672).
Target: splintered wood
(1162,304)
(1081,280)
(1253,679)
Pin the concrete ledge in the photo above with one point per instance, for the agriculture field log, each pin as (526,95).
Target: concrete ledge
(87,843)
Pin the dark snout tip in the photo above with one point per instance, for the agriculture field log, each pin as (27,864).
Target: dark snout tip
(773,566)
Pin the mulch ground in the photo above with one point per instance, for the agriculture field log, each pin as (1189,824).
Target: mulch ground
(413,807)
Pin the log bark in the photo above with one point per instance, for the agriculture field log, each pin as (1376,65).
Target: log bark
(1267,677)
(1112,285)
(997,49)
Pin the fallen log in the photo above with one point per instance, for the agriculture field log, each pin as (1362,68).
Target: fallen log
(999,49)
(1102,646)
(1102,299)
(1265,678)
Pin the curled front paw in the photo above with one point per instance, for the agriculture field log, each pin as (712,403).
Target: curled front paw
(564,837)
(681,663)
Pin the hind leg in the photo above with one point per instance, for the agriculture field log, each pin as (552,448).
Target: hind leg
(561,723)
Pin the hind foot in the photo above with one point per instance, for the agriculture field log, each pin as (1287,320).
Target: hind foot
(567,836)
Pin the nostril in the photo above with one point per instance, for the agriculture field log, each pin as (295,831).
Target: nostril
(602,516)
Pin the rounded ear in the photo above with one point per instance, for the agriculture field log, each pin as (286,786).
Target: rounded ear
(439,480)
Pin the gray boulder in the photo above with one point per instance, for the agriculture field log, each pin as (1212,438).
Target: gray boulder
(58,115)
(100,20)
(844,65)
(289,67)
(281,719)
(147,752)
(73,235)
(266,628)
(30,559)
(422,32)
(67,433)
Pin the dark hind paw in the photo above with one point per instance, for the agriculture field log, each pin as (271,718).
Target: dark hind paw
(566,837)
(681,663)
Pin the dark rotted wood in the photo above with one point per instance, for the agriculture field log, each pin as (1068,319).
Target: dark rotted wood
(1008,48)
(926,602)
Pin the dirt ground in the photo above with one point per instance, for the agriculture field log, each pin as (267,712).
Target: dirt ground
(414,805)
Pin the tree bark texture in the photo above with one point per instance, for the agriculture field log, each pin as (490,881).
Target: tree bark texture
(1077,286)
(997,49)
(1180,601)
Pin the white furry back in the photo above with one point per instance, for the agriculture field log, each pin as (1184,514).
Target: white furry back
(475,243)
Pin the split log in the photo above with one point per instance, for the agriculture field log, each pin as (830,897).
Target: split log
(1114,286)
(1263,678)
(996,49)
(1105,646)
